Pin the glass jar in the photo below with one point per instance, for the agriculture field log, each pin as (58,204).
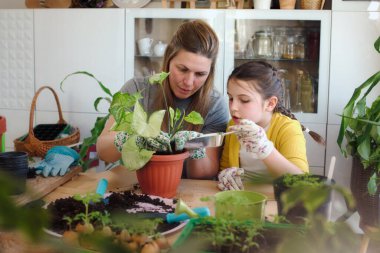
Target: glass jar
(262,44)
(290,48)
(279,42)
(300,46)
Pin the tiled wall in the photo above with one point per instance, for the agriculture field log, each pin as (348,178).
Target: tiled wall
(40,47)
(16,70)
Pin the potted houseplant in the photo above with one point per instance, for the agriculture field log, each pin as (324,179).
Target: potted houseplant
(131,118)
(360,128)
(306,183)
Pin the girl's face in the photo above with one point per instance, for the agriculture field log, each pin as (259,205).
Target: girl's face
(188,72)
(246,103)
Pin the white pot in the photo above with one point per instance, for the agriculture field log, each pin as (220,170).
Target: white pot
(261,4)
(159,49)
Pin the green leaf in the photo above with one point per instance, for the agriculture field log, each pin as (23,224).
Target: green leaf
(97,101)
(121,103)
(133,157)
(158,78)
(104,88)
(144,127)
(377,44)
(372,186)
(364,148)
(172,116)
(194,118)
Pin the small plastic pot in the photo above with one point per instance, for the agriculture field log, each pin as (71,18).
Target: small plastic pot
(240,205)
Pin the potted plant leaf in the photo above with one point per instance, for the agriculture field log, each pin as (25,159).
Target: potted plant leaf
(130,117)
(360,128)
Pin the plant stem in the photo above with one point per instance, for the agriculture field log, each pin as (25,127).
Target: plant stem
(168,112)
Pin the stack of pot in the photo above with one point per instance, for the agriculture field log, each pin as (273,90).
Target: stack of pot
(15,166)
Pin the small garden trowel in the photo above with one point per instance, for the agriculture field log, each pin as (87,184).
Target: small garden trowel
(207,140)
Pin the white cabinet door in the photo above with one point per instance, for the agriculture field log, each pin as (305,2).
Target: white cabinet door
(69,40)
(160,25)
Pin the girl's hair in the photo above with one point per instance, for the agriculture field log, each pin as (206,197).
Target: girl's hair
(266,80)
(196,37)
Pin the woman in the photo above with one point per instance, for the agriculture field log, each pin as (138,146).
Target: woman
(190,58)
(268,137)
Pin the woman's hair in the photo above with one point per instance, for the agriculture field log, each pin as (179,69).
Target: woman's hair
(266,80)
(196,37)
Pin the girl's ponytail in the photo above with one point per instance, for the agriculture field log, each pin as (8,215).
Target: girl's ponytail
(319,139)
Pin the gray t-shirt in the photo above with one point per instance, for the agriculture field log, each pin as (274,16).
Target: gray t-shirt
(215,121)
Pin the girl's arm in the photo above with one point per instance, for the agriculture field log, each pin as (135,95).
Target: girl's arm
(278,165)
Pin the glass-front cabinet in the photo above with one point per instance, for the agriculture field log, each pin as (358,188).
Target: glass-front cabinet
(296,43)
(150,31)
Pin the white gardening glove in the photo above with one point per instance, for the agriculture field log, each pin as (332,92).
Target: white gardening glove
(253,139)
(230,179)
(181,137)
(159,143)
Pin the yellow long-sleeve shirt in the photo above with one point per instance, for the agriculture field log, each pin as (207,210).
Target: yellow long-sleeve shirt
(286,135)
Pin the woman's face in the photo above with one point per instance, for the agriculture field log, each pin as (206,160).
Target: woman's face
(246,103)
(188,72)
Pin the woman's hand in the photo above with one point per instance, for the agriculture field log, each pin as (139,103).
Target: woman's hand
(181,137)
(253,139)
(230,179)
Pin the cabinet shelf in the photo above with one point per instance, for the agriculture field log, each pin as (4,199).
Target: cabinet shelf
(272,59)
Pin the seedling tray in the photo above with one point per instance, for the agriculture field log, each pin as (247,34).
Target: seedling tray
(271,236)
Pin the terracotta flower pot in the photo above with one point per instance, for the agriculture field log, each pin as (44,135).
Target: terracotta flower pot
(162,175)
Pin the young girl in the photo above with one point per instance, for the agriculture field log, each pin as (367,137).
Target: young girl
(268,137)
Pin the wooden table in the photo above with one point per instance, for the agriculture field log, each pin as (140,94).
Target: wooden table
(119,179)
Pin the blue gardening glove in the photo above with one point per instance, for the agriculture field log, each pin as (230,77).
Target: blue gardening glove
(230,179)
(181,137)
(252,137)
(57,161)
(159,143)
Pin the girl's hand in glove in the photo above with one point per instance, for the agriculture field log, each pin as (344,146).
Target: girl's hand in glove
(253,139)
(230,179)
(181,137)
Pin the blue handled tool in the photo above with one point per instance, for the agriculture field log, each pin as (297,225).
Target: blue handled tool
(172,217)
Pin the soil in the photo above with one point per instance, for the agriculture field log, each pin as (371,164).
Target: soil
(116,203)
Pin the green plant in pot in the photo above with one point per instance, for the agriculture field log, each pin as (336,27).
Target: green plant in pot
(141,133)
(360,128)
(309,186)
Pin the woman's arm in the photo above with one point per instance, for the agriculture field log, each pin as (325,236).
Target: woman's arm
(105,147)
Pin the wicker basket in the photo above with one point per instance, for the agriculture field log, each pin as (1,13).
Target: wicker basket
(367,205)
(36,147)
(312,4)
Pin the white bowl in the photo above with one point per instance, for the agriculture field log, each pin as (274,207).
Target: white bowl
(130,3)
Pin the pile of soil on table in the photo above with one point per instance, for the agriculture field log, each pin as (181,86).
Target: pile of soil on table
(116,203)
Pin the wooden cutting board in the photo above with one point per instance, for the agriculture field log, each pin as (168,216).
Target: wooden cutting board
(40,186)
